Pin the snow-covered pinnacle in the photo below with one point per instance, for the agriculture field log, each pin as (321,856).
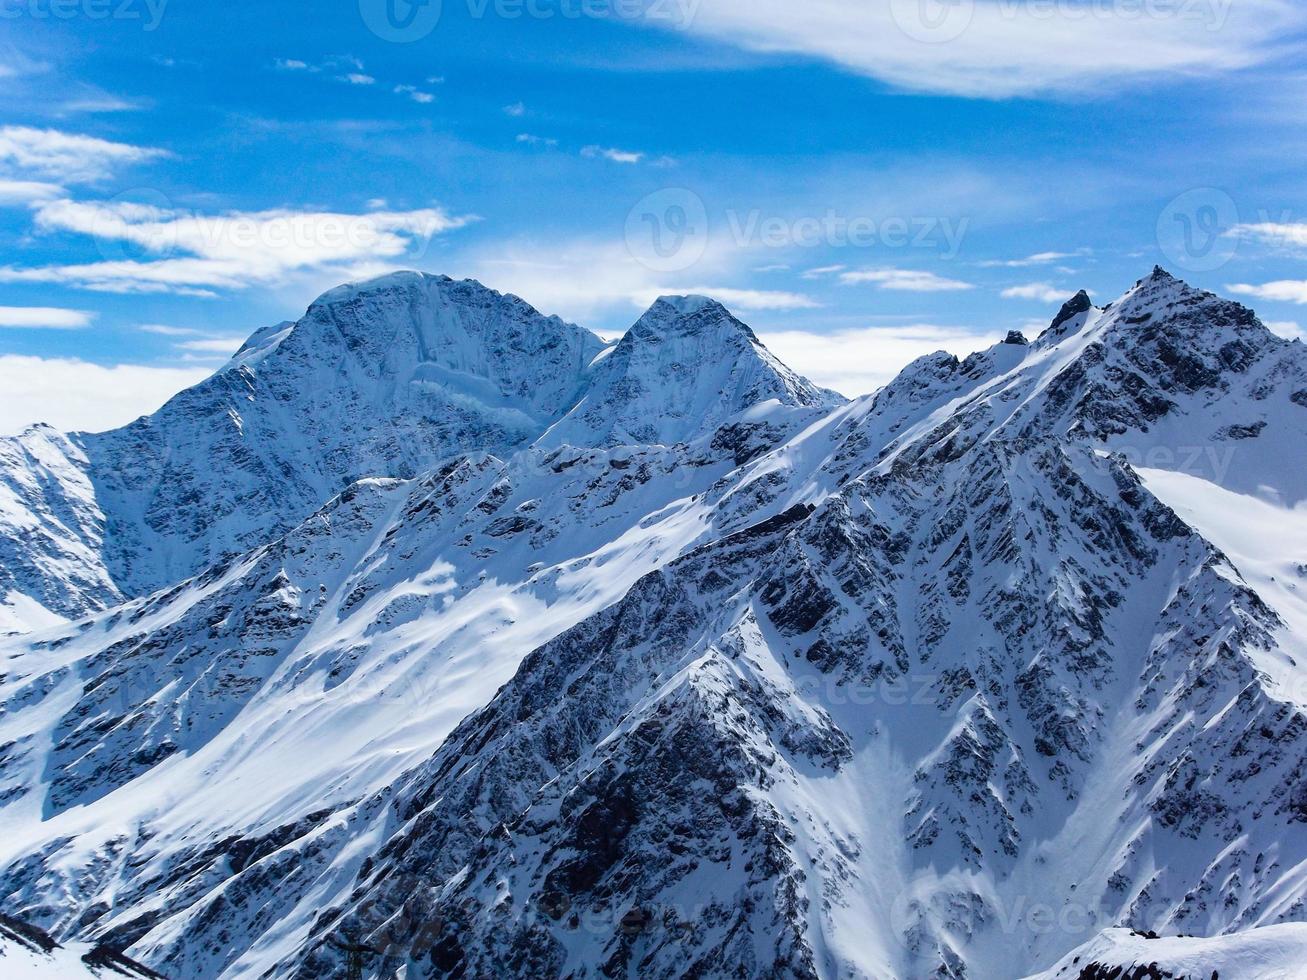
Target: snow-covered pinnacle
(682,371)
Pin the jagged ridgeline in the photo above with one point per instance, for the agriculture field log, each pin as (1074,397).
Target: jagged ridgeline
(436,637)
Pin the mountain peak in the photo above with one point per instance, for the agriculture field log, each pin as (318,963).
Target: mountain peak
(687,316)
(689,305)
(685,368)
(1078,304)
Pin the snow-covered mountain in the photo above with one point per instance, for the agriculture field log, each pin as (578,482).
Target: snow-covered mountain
(712,674)
(382,379)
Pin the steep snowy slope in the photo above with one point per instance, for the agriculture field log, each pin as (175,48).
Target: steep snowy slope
(940,683)
(1272,953)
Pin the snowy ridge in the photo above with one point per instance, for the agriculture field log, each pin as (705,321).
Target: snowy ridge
(1271,953)
(781,687)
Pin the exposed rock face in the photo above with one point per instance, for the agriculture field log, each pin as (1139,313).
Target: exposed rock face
(943,682)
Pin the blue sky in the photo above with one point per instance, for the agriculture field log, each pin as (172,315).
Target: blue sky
(861,181)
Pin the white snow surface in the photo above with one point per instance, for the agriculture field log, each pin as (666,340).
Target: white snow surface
(1269,953)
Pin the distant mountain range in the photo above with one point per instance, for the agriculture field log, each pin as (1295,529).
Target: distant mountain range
(435,637)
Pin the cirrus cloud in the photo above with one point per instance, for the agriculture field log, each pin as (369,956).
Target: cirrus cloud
(1004,49)
(70,157)
(198,253)
(904,280)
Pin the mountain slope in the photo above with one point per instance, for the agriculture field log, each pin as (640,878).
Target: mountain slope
(879,692)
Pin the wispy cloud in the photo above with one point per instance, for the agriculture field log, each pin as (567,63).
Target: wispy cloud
(213,345)
(516,110)
(164,330)
(1039,258)
(358,78)
(1284,234)
(415,93)
(904,280)
(1042,291)
(823,271)
(991,49)
(44,318)
(613,154)
(561,278)
(1281,291)
(200,253)
(51,154)
(531,139)
(1288,329)
(28,192)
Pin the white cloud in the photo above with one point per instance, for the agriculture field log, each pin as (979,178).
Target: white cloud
(213,345)
(49,153)
(609,153)
(532,140)
(201,253)
(1288,234)
(1039,258)
(904,280)
(823,271)
(44,318)
(1042,291)
(516,110)
(1288,329)
(28,192)
(857,362)
(1283,291)
(163,330)
(294,64)
(73,395)
(1000,49)
(358,78)
(560,278)
(415,93)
